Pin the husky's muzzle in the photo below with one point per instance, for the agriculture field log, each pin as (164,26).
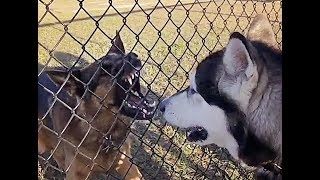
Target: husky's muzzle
(193,134)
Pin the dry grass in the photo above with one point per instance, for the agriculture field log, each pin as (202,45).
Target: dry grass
(163,152)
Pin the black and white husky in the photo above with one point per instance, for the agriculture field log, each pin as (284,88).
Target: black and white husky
(235,98)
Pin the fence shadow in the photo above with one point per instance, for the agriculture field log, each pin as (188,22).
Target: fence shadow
(69,59)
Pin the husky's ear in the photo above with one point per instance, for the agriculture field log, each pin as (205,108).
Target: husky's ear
(236,58)
(70,81)
(261,30)
(117,46)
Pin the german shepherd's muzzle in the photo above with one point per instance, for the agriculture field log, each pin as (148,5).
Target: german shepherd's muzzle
(83,115)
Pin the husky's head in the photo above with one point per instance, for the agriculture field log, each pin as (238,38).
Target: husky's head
(213,107)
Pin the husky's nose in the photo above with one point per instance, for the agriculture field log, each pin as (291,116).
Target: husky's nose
(162,105)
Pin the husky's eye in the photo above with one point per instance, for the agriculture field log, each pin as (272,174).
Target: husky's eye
(192,91)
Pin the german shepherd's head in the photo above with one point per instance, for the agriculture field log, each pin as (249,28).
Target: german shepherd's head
(89,104)
(110,83)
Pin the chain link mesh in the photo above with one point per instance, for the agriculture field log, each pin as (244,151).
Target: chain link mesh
(171,38)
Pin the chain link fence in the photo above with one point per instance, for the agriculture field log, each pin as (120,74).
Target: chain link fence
(170,38)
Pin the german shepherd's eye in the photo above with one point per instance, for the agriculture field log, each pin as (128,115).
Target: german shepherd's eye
(132,54)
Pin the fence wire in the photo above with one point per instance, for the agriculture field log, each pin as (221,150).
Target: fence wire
(170,38)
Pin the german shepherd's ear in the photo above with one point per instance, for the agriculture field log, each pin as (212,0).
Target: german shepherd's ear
(69,80)
(117,45)
(261,30)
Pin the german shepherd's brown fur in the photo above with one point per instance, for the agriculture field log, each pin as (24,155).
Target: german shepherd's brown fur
(80,140)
